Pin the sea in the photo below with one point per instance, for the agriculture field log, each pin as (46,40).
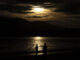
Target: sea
(26,45)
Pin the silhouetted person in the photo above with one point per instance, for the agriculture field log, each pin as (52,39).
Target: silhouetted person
(45,49)
(36,48)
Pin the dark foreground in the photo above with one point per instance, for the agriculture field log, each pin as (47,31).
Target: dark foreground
(61,56)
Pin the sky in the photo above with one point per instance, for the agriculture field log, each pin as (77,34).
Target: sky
(63,13)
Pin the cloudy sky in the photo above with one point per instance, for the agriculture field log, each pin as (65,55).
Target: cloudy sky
(63,13)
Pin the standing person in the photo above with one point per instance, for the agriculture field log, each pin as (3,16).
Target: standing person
(45,49)
(36,48)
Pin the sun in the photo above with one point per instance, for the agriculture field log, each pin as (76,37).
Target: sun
(38,9)
(38,12)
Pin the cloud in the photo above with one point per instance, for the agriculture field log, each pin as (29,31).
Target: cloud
(1,3)
(15,9)
(33,16)
(63,13)
(19,9)
(67,22)
(69,8)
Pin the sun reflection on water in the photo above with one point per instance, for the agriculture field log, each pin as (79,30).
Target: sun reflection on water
(39,41)
(38,38)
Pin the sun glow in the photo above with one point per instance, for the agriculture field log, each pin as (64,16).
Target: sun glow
(38,13)
(38,9)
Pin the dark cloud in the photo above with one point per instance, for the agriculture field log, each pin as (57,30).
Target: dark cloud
(19,9)
(37,16)
(49,6)
(15,9)
(69,23)
(34,16)
(70,8)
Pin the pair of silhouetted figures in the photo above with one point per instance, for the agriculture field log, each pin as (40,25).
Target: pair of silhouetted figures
(44,49)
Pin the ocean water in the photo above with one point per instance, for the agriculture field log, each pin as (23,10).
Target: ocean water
(27,44)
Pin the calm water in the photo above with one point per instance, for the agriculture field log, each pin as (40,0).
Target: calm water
(28,44)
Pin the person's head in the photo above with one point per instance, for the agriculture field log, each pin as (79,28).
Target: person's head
(45,44)
(36,44)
